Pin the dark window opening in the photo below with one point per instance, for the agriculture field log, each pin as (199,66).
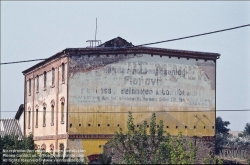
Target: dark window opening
(70,125)
(185,126)
(52,115)
(44,116)
(167,127)
(80,125)
(63,72)
(89,125)
(194,127)
(53,76)
(176,127)
(108,125)
(36,118)
(37,83)
(29,86)
(98,125)
(45,79)
(29,119)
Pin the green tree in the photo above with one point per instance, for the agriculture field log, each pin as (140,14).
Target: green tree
(221,126)
(153,146)
(246,131)
(221,133)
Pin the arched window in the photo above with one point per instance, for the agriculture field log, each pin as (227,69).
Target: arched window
(62,110)
(37,117)
(63,72)
(52,115)
(29,116)
(37,83)
(61,149)
(35,146)
(53,76)
(44,116)
(45,79)
(29,86)
(43,147)
(51,148)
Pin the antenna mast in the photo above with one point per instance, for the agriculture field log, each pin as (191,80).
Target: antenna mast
(95,31)
(94,41)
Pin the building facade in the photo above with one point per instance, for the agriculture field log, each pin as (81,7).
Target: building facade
(79,97)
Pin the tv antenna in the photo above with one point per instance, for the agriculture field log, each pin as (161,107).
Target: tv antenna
(94,41)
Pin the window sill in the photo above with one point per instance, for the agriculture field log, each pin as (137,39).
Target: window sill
(29,94)
(62,122)
(28,127)
(52,86)
(51,124)
(44,89)
(37,91)
(44,125)
(36,126)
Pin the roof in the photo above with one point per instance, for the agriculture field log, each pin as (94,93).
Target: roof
(116,42)
(19,112)
(121,46)
(10,126)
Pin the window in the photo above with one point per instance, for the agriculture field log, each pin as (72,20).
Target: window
(36,118)
(63,72)
(61,149)
(29,86)
(44,116)
(52,115)
(62,112)
(51,148)
(29,115)
(45,79)
(53,77)
(37,83)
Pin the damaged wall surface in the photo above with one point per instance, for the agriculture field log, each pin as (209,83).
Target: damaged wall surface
(102,89)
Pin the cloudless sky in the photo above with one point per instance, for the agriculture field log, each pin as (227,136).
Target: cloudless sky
(31,30)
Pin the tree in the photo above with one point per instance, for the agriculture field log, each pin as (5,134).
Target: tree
(221,133)
(221,126)
(138,147)
(246,131)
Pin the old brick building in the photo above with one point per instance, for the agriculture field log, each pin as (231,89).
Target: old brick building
(79,97)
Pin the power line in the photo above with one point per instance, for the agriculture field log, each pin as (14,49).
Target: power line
(197,35)
(22,61)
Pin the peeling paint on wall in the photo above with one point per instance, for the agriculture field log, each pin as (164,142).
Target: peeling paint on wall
(142,84)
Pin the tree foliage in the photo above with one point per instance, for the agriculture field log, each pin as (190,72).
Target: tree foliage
(153,146)
(221,126)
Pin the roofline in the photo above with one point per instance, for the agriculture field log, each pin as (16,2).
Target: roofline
(129,50)
(19,112)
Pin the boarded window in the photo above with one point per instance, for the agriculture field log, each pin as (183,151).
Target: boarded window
(63,72)
(44,116)
(36,118)
(53,76)
(52,114)
(45,79)
(37,83)
(62,112)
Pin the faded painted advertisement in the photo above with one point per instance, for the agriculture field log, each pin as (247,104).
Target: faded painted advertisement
(142,80)
(102,89)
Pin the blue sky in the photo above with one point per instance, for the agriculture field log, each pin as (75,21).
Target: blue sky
(31,30)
